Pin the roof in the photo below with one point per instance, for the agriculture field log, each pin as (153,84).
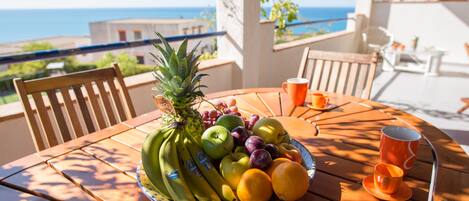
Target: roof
(151,21)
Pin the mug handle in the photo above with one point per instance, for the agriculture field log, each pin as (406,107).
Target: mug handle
(327,100)
(284,86)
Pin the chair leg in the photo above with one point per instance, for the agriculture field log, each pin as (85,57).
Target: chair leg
(463,109)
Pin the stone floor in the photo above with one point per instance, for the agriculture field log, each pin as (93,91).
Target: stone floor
(434,99)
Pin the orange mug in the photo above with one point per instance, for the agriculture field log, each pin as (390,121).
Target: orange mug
(320,100)
(296,88)
(387,177)
(398,146)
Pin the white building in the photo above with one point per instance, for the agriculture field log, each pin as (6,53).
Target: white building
(111,31)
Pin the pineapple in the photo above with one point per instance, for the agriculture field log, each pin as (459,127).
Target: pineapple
(178,78)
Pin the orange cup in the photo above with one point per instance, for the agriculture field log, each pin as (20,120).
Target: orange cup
(296,89)
(320,100)
(398,146)
(387,177)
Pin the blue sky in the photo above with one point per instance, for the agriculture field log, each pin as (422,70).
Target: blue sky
(15,4)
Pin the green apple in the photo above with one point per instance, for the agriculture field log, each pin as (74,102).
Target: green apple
(230,121)
(233,166)
(270,130)
(217,142)
(240,149)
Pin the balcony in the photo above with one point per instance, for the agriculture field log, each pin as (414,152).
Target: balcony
(249,57)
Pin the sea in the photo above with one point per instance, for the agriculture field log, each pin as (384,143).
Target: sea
(19,25)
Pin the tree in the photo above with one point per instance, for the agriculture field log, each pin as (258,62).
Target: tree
(281,12)
(127,63)
(37,46)
(32,69)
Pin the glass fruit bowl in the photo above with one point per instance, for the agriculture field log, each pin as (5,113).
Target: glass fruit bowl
(152,194)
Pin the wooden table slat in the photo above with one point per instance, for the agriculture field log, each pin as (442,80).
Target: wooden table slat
(336,188)
(150,127)
(96,177)
(43,179)
(82,141)
(132,138)
(116,154)
(272,101)
(142,119)
(255,102)
(351,112)
(12,194)
(19,165)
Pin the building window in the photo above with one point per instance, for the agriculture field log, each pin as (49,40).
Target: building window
(200,29)
(122,36)
(194,30)
(137,35)
(185,30)
(140,59)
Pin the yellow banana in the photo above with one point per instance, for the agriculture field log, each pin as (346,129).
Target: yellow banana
(150,159)
(196,182)
(202,161)
(171,171)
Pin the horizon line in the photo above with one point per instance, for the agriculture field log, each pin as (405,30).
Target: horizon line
(209,6)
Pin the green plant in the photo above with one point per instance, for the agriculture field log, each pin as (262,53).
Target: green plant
(80,67)
(127,63)
(208,56)
(282,12)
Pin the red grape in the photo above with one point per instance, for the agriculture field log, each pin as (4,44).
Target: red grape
(253,120)
(213,114)
(234,108)
(232,102)
(205,115)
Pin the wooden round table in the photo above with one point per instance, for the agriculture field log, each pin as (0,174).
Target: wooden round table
(344,142)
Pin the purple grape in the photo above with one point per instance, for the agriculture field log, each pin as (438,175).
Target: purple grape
(260,159)
(227,111)
(273,151)
(240,135)
(253,143)
(252,121)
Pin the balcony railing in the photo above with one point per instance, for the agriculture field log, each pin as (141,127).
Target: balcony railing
(315,22)
(58,53)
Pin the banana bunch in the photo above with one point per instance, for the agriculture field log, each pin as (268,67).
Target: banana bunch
(180,170)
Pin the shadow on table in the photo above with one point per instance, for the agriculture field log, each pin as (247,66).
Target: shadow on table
(409,108)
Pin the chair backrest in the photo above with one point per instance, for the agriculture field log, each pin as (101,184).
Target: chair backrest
(101,114)
(344,73)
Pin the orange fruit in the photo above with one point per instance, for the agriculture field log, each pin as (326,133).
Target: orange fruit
(254,185)
(290,181)
(276,163)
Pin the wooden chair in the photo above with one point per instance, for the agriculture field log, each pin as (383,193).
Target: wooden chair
(344,73)
(69,122)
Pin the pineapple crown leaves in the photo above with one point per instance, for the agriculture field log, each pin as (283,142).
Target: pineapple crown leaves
(177,72)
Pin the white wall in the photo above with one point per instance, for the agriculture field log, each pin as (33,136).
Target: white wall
(443,25)
(285,61)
